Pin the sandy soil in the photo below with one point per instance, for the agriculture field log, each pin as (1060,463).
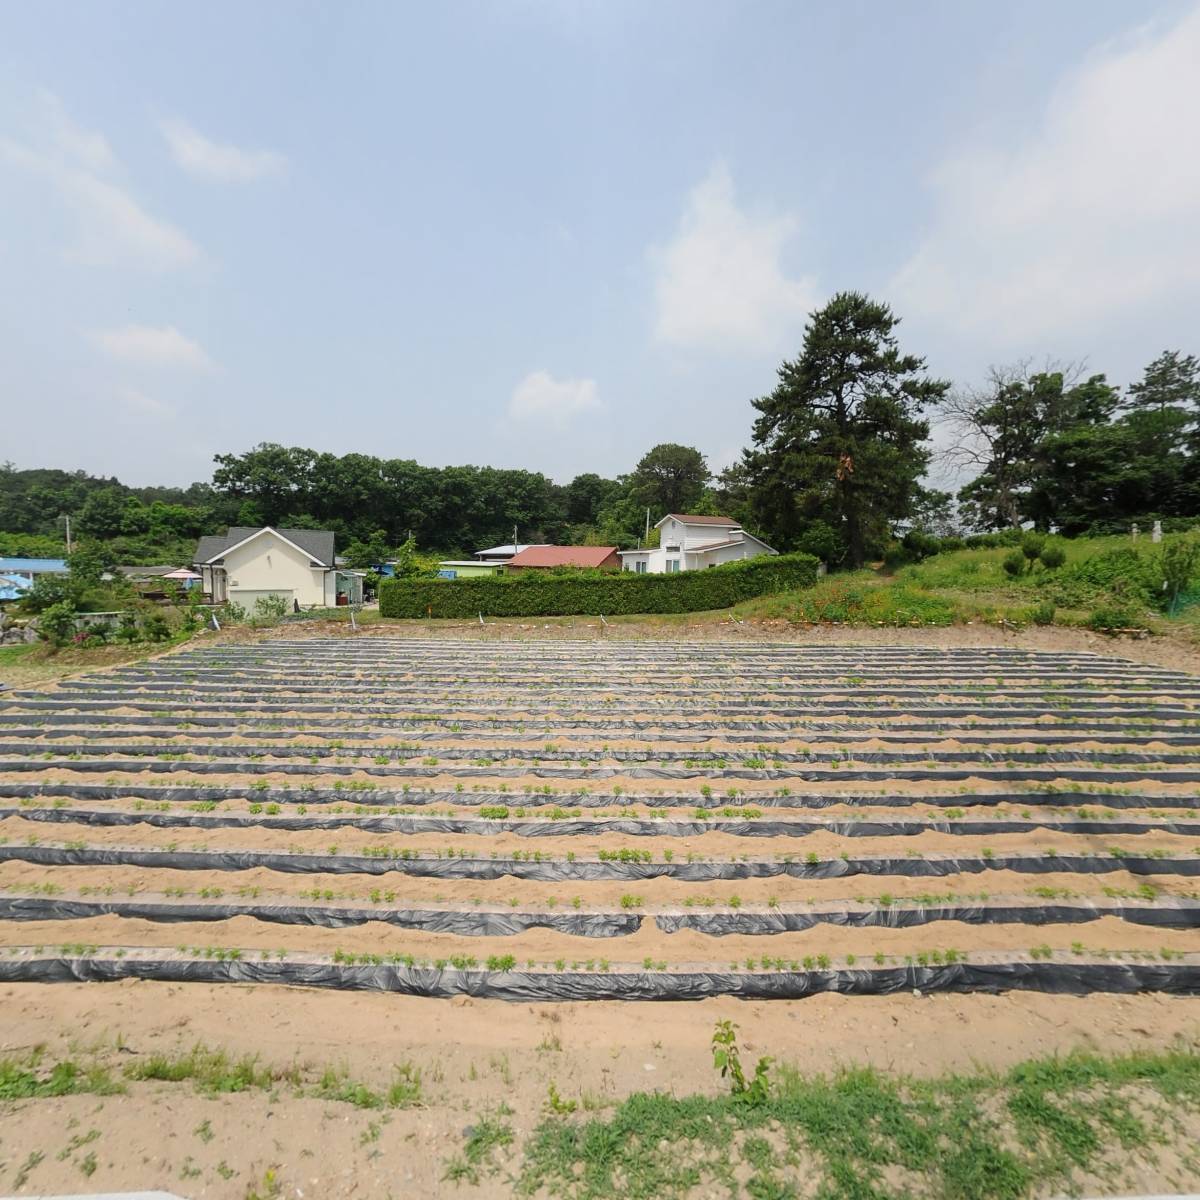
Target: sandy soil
(473,1056)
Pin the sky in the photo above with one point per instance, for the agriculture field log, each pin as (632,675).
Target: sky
(552,235)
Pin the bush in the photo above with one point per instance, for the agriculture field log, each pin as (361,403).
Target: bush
(820,540)
(155,627)
(1032,545)
(1042,613)
(1178,563)
(56,625)
(920,544)
(532,594)
(270,609)
(1053,556)
(1090,579)
(1113,616)
(1014,563)
(47,590)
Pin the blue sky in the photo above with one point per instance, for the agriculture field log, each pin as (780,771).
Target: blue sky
(553,234)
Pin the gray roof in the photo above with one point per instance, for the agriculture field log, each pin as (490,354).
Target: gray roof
(316,543)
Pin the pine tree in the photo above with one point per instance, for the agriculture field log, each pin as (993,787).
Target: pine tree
(840,439)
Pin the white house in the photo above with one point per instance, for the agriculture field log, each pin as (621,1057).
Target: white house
(688,542)
(297,564)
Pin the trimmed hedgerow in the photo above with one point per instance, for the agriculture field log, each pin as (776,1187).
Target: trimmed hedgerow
(532,594)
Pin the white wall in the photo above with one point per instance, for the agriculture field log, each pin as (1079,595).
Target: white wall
(267,563)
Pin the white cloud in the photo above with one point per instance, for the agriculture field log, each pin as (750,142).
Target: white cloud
(87,147)
(149,346)
(541,397)
(200,156)
(79,167)
(1094,213)
(720,280)
(139,404)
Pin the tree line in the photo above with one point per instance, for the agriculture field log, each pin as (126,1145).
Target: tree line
(838,452)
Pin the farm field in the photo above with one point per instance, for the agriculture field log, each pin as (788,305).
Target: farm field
(470,871)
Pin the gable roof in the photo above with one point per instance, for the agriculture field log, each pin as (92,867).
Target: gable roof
(507,551)
(698,520)
(316,543)
(562,556)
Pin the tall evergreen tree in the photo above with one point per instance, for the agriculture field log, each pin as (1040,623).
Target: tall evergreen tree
(1172,380)
(841,438)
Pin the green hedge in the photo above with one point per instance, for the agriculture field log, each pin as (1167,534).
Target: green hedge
(533,594)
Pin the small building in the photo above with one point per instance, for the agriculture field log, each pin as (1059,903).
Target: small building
(469,568)
(687,543)
(545,558)
(298,564)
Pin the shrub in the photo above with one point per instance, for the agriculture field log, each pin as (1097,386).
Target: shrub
(1178,562)
(1032,545)
(270,608)
(532,594)
(1053,556)
(1122,566)
(56,625)
(1014,563)
(1042,613)
(920,544)
(46,590)
(1113,616)
(155,627)
(822,541)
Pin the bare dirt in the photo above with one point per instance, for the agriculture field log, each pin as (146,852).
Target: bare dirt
(473,1057)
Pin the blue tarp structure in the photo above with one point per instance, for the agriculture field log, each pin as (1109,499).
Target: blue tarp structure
(13,587)
(33,566)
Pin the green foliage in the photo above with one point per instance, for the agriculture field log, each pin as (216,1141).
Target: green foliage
(858,600)
(1032,545)
(1053,556)
(727,1060)
(32,545)
(865,1135)
(270,609)
(1042,613)
(155,627)
(840,439)
(57,624)
(611,593)
(1014,563)
(1178,563)
(1078,456)
(669,478)
(1121,570)
(47,590)
(1113,616)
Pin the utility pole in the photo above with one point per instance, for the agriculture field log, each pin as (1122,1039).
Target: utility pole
(647,525)
(67,517)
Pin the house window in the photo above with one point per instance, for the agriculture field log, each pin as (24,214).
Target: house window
(640,567)
(672,565)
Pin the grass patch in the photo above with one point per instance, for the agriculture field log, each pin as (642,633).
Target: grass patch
(28,1079)
(862,1134)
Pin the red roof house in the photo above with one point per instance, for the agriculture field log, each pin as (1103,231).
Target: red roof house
(546,557)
